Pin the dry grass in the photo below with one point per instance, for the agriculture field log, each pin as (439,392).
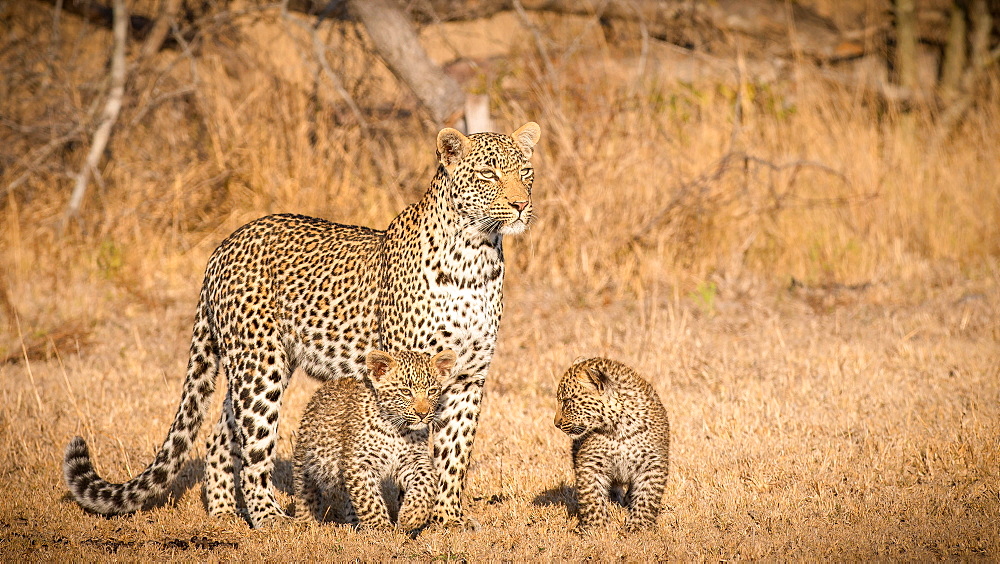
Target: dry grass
(853,414)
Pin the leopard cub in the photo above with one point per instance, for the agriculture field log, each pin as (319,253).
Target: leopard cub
(358,436)
(621,441)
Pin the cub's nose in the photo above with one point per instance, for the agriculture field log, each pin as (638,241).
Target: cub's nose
(519,206)
(421,407)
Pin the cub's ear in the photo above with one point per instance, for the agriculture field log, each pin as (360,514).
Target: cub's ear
(526,137)
(597,378)
(379,364)
(452,147)
(444,362)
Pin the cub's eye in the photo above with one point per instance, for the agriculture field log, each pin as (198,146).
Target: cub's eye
(527,172)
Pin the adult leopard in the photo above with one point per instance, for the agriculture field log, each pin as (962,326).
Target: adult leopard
(289,291)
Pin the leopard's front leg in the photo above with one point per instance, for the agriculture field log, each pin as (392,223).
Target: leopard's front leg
(419,482)
(365,489)
(459,411)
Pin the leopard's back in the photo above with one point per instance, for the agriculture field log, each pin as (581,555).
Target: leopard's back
(621,439)
(313,281)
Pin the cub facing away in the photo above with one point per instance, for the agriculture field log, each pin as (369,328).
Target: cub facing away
(356,435)
(621,441)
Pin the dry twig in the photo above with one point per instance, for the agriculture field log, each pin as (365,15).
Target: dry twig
(111,110)
(736,160)
(158,33)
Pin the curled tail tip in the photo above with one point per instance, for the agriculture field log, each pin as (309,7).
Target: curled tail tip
(88,489)
(76,445)
(76,462)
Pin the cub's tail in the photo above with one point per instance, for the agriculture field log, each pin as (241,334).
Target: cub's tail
(96,494)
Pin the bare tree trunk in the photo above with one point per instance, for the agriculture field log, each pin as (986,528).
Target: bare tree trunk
(111,110)
(160,29)
(397,44)
(982,27)
(982,58)
(954,61)
(906,45)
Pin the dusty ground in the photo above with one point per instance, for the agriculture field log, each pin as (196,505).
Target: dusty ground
(864,429)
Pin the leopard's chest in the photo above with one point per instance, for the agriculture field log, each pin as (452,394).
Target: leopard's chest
(450,298)
(381,446)
(620,458)
(466,305)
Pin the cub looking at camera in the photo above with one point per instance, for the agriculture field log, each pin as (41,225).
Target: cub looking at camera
(356,434)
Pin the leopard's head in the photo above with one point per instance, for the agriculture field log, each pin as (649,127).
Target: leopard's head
(490,177)
(587,400)
(408,385)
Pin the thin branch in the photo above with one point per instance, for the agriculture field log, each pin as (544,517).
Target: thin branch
(319,50)
(42,154)
(537,36)
(110,115)
(152,104)
(730,161)
(953,115)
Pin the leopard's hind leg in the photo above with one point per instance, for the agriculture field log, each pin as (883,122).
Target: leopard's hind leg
(645,497)
(258,377)
(222,462)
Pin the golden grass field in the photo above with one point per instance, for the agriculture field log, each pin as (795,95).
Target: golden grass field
(813,293)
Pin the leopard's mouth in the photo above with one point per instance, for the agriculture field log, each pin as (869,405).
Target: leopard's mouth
(417,426)
(574,430)
(515,226)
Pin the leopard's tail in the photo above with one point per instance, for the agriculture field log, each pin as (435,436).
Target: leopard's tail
(95,494)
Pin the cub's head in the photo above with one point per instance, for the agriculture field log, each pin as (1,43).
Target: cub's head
(408,385)
(587,400)
(491,176)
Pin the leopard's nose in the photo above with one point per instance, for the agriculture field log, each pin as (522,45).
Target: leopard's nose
(519,206)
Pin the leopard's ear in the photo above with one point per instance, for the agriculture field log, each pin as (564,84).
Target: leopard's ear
(597,378)
(526,137)
(444,363)
(379,364)
(452,147)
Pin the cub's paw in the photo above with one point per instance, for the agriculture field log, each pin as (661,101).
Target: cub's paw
(461,523)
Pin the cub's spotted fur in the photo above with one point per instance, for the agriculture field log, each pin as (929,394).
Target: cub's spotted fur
(355,435)
(288,291)
(621,441)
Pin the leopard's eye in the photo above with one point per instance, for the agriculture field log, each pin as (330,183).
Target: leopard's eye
(488,174)
(527,172)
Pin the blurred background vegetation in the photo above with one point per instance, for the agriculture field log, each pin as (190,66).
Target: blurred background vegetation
(689,148)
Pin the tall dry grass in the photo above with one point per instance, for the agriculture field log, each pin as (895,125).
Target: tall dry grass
(852,413)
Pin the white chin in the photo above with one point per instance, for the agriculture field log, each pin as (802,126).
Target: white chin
(514,228)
